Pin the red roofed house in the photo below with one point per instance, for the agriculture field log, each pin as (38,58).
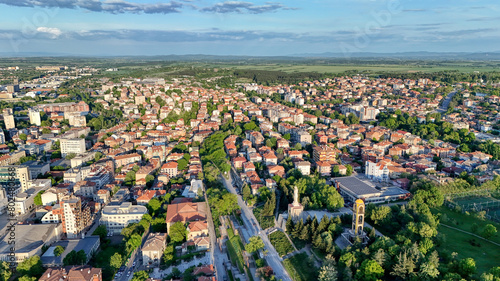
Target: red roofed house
(186,212)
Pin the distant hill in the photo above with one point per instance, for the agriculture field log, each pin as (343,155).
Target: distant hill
(408,55)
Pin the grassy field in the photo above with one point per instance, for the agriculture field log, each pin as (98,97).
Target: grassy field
(464,221)
(477,200)
(235,248)
(300,268)
(373,67)
(486,254)
(281,243)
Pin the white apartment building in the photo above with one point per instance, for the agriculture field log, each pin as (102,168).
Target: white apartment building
(34,115)
(377,171)
(75,145)
(117,217)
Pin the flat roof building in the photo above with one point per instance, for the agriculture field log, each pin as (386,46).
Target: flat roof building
(352,188)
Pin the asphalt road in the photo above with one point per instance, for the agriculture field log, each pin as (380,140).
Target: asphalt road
(253,227)
(446,102)
(129,266)
(216,256)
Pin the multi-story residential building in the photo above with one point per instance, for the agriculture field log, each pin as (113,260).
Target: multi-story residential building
(16,176)
(74,215)
(170,168)
(323,153)
(74,145)
(8,118)
(34,115)
(117,217)
(65,107)
(304,167)
(127,159)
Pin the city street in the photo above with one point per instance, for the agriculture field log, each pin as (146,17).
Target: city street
(253,227)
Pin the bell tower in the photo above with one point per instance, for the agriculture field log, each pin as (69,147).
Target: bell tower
(358,217)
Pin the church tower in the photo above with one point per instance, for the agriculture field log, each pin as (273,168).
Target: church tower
(295,209)
(358,217)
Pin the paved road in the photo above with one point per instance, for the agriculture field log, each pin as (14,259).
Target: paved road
(446,102)
(217,258)
(134,257)
(253,227)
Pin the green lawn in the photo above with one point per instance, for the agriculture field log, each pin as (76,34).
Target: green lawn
(235,248)
(281,243)
(486,255)
(373,67)
(464,222)
(300,268)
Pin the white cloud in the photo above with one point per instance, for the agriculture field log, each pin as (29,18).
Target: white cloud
(52,31)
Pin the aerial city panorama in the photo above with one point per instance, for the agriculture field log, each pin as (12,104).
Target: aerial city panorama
(217,140)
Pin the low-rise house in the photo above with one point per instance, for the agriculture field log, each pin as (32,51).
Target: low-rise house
(153,248)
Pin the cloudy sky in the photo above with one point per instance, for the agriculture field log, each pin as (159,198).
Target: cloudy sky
(152,27)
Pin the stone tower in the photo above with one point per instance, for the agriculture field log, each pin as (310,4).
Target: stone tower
(295,209)
(358,217)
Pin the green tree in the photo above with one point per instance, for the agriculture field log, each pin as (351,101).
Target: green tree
(58,250)
(246,193)
(27,278)
(349,169)
(370,270)
(255,243)
(133,242)
(489,231)
(98,155)
(101,231)
(168,254)
(467,267)
(116,261)
(154,206)
(31,266)
(140,276)
(379,214)
(5,271)
(328,272)
(177,232)
(182,164)
(23,137)
(75,258)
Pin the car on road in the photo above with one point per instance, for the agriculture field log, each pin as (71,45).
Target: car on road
(128,273)
(133,264)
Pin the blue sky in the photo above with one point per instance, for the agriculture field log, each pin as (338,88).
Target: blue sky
(151,27)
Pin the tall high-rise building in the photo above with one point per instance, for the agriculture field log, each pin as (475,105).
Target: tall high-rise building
(74,215)
(34,114)
(2,137)
(16,176)
(8,118)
